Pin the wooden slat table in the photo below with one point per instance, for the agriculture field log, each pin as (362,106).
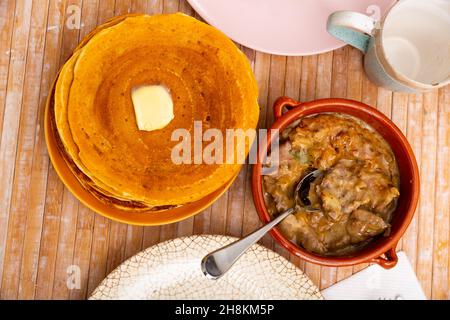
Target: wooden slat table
(45,231)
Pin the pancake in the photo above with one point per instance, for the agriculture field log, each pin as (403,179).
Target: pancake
(89,184)
(109,23)
(209,79)
(68,146)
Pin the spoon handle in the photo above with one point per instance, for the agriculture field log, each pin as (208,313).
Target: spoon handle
(215,264)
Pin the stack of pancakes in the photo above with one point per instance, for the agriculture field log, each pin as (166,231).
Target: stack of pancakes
(209,80)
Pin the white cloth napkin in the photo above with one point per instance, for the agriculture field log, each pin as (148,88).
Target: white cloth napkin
(376,283)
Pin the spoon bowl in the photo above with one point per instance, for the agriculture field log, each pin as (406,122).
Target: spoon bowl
(301,193)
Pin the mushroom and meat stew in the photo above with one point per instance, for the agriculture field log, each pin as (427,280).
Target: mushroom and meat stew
(352,201)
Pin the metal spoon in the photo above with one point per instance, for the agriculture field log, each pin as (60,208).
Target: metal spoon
(217,263)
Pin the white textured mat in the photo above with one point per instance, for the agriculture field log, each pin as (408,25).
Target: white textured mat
(376,283)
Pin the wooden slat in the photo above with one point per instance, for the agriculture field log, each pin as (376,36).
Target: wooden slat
(308,81)
(82,250)
(384,101)
(235,208)
(369,92)
(116,245)
(441,244)
(400,110)
(52,215)
(25,146)
(276,84)
(400,118)
(293,77)
(139,6)
(168,232)
(428,178)
(10,224)
(7,10)
(185,227)
(38,185)
(354,74)
(99,252)
(66,243)
(50,237)
(154,6)
(105,10)
(150,237)
(202,221)
(122,7)
(414,135)
(218,219)
(323,79)
(89,17)
(339,73)
(171,6)
(133,241)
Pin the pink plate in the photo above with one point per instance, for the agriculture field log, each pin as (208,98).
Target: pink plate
(284,27)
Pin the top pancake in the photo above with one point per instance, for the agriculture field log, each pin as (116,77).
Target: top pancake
(209,79)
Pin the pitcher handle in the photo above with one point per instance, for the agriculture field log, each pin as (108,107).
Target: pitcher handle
(353,28)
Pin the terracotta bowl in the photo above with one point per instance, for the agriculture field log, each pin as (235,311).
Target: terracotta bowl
(382,249)
(152,218)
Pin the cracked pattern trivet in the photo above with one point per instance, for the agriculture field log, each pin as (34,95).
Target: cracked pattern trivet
(171,270)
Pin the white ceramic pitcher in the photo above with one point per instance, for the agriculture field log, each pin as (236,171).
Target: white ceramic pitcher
(409,50)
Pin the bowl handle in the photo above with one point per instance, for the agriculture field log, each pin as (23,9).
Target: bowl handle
(281,103)
(390,259)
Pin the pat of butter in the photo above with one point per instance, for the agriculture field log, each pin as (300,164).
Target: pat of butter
(153,107)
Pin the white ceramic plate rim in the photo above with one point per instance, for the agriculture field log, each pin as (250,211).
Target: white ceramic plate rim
(127,266)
